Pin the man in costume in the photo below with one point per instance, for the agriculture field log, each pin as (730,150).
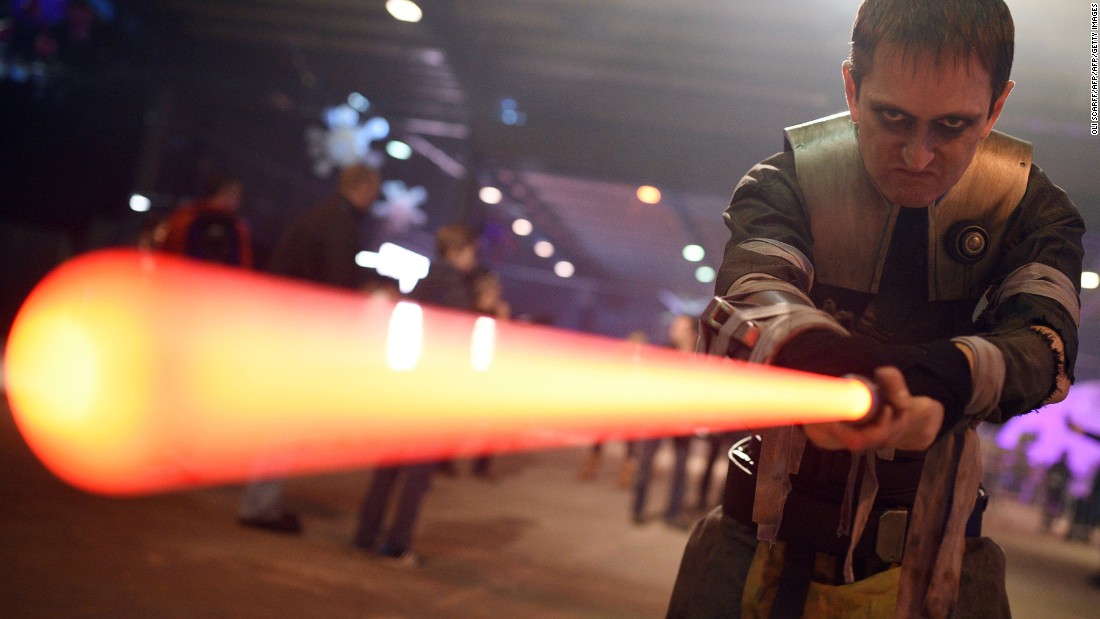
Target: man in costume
(906,242)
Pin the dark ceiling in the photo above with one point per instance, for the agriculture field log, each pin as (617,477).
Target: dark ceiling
(683,95)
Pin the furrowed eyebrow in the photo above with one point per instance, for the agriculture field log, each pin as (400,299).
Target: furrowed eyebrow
(964,117)
(882,106)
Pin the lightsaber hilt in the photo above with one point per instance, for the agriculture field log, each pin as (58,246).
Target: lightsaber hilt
(874,410)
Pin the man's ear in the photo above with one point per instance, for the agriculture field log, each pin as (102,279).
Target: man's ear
(998,105)
(850,90)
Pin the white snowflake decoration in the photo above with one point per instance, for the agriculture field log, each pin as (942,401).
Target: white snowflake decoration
(401,206)
(344,141)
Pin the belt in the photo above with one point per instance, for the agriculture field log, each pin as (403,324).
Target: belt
(810,523)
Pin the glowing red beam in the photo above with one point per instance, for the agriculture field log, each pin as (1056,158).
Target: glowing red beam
(132,372)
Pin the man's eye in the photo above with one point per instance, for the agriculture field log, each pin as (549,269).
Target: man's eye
(954,124)
(892,116)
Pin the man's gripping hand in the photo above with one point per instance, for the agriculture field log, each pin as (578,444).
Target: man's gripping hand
(906,422)
(924,387)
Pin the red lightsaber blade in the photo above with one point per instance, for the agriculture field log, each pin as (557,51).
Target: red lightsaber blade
(132,372)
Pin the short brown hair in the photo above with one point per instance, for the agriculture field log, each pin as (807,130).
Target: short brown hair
(219,182)
(453,237)
(951,31)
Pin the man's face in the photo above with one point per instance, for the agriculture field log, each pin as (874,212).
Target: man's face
(920,122)
(465,258)
(363,195)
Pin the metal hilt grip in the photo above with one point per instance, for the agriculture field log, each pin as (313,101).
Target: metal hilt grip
(875,409)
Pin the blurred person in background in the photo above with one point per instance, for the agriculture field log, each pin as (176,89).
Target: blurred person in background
(318,247)
(209,228)
(682,333)
(446,285)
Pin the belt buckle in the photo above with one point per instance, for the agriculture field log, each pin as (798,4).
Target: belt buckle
(890,541)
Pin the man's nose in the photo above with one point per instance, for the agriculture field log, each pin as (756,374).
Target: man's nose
(917,151)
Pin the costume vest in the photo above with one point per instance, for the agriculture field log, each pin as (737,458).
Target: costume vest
(852,222)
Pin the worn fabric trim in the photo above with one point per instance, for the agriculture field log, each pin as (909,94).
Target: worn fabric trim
(781,448)
(762,282)
(1043,280)
(780,455)
(868,490)
(943,591)
(935,542)
(987,376)
(779,249)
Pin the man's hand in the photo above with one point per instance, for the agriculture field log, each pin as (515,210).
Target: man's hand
(906,422)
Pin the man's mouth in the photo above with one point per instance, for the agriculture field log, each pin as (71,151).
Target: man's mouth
(923,175)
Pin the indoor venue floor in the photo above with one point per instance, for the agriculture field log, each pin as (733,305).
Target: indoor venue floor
(532,542)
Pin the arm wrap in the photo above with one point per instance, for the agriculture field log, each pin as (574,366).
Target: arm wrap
(751,332)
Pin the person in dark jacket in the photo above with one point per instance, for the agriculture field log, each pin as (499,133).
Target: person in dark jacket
(447,285)
(319,247)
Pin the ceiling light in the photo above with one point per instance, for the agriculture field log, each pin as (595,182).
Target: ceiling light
(704,275)
(564,269)
(693,253)
(522,227)
(1090,280)
(141,204)
(404,10)
(649,194)
(544,249)
(398,150)
(490,195)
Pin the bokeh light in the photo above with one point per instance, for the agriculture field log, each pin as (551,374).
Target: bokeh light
(564,268)
(139,203)
(693,253)
(490,195)
(522,227)
(404,10)
(544,249)
(704,275)
(649,194)
(398,150)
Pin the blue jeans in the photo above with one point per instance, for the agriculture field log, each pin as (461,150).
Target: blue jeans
(648,449)
(369,533)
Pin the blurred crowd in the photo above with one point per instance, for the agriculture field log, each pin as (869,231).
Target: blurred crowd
(320,246)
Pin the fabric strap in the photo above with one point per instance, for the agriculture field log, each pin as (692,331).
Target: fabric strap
(934,544)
